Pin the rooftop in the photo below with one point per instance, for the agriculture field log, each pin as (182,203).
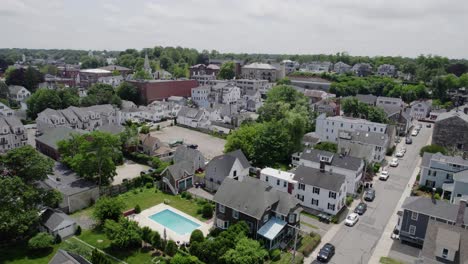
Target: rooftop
(257,65)
(345,162)
(95,71)
(284,175)
(66,181)
(327,180)
(436,208)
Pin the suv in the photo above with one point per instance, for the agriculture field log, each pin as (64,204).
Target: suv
(326,252)
(361,208)
(408,141)
(369,195)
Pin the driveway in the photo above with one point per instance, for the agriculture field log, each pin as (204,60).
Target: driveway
(208,145)
(356,244)
(128,170)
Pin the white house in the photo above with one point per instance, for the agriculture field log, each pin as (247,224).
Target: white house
(18,93)
(200,96)
(114,81)
(328,128)
(12,133)
(370,146)
(192,117)
(383,101)
(280,180)
(420,109)
(5,110)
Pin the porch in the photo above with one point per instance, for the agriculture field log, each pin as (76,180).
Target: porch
(275,232)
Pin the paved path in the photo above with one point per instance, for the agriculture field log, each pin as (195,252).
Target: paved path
(356,244)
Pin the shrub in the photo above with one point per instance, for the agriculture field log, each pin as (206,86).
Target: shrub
(207,211)
(432,149)
(183,194)
(349,200)
(137,209)
(390,151)
(188,196)
(437,196)
(196,236)
(171,248)
(78,231)
(99,258)
(40,241)
(334,219)
(376,167)
(156,240)
(149,185)
(199,210)
(108,208)
(58,239)
(315,241)
(275,255)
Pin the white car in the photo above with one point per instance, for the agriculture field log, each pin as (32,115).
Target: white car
(403,149)
(400,154)
(384,175)
(352,219)
(414,133)
(394,162)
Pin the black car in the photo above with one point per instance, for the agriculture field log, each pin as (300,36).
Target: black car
(192,146)
(429,125)
(326,252)
(369,195)
(361,208)
(409,141)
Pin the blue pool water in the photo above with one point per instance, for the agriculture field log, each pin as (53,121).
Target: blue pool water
(175,222)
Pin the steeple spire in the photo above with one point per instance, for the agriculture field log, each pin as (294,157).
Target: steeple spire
(146,65)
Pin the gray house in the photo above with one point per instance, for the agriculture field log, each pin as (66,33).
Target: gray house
(369,146)
(65,257)
(183,153)
(230,165)
(450,129)
(178,177)
(55,222)
(368,99)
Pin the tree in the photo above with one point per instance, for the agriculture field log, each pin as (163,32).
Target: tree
(40,241)
(181,259)
(98,257)
(101,93)
(146,234)
(129,137)
(123,234)
(128,91)
(171,248)
(92,156)
(433,149)
(32,78)
(4,91)
(28,164)
(246,251)
(108,208)
(68,97)
(145,129)
(377,114)
(227,71)
(284,81)
(41,100)
(156,240)
(327,146)
(196,236)
(142,75)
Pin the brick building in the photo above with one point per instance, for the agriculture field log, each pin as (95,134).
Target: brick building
(152,90)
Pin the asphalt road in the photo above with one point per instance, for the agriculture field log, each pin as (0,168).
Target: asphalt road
(356,244)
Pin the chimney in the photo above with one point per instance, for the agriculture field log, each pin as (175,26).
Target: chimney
(461,212)
(433,195)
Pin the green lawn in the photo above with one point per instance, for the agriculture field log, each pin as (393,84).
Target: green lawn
(287,257)
(147,198)
(387,260)
(19,254)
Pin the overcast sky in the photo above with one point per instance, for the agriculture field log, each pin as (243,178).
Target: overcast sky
(359,27)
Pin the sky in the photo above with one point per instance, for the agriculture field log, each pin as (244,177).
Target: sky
(359,27)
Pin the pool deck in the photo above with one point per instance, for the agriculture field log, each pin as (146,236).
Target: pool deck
(143,220)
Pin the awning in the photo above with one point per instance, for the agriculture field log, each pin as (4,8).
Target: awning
(272,228)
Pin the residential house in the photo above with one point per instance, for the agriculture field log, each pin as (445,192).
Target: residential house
(252,101)
(383,101)
(46,143)
(112,80)
(387,70)
(178,177)
(317,66)
(202,69)
(180,100)
(233,165)
(419,212)
(263,86)
(148,144)
(289,66)
(88,77)
(420,109)
(193,156)
(77,193)
(341,67)
(317,95)
(450,129)
(261,71)
(114,129)
(66,257)
(399,117)
(192,117)
(434,114)
(280,180)
(18,93)
(201,96)
(5,110)
(12,134)
(368,99)
(56,222)
(314,83)
(328,128)
(124,71)
(362,69)
(369,146)
(329,107)
(203,79)
(351,167)
(271,215)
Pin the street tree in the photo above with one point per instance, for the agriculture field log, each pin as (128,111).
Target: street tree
(227,71)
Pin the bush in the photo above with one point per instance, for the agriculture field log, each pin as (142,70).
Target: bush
(275,255)
(108,208)
(137,209)
(432,149)
(207,211)
(334,219)
(78,231)
(58,239)
(437,196)
(40,241)
(349,200)
(196,236)
(376,167)
(149,185)
(314,242)
(171,248)
(183,194)
(188,196)
(390,151)
(156,240)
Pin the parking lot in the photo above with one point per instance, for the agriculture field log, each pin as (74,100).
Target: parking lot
(128,170)
(208,145)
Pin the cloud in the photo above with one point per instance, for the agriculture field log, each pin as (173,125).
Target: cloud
(361,27)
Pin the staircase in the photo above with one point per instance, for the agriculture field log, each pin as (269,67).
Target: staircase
(168,183)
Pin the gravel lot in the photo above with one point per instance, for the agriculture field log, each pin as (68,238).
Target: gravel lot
(128,170)
(208,145)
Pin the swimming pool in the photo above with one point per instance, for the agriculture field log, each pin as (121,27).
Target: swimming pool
(174,221)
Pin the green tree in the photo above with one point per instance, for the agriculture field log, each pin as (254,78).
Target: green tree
(123,234)
(32,78)
(327,146)
(181,259)
(98,257)
(376,114)
(128,91)
(284,81)
(196,236)
(68,97)
(145,129)
(41,100)
(142,75)
(108,208)
(156,240)
(146,234)
(40,241)
(28,164)
(246,251)
(101,93)
(4,91)
(171,248)
(227,71)
(93,156)
(433,149)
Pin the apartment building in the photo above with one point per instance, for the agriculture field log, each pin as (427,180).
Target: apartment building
(12,133)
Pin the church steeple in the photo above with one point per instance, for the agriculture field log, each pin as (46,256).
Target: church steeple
(146,65)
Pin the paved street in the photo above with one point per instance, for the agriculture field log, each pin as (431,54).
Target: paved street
(356,244)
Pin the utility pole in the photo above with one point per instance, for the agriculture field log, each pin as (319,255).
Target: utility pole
(295,243)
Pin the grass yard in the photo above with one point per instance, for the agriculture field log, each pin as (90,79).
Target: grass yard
(19,254)
(147,198)
(387,260)
(287,257)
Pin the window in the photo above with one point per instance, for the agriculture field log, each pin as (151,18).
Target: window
(235,214)
(434,174)
(444,253)
(315,202)
(332,195)
(284,184)
(331,207)
(234,173)
(412,230)
(292,218)
(414,216)
(266,178)
(301,186)
(221,208)
(449,176)
(265,218)
(316,190)
(278,182)
(300,197)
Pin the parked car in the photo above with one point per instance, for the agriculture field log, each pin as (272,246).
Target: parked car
(326,253)
(361,208)
(408,141)
(429,125)
(192,146)
(394,162)
(324,218)
(369,195)
(400,154)
(384,175)
(414,133)
(352,219)
(403,149)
